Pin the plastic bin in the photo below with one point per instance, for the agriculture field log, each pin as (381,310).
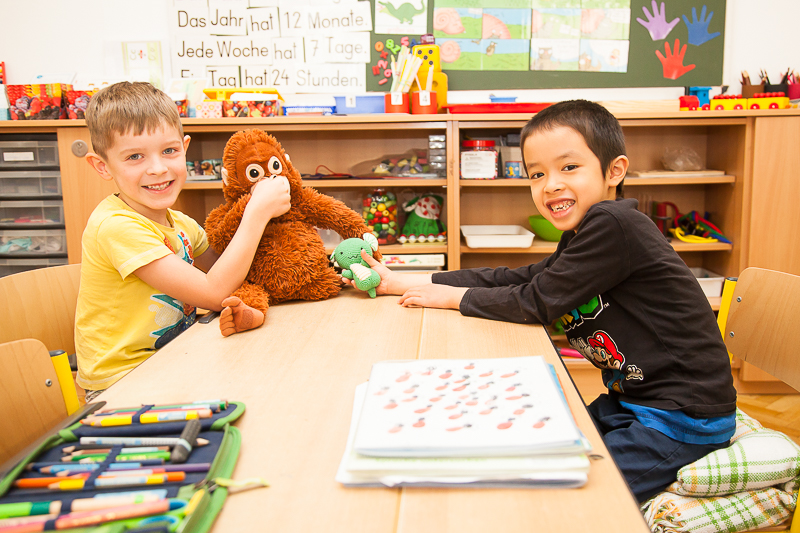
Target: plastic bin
(360,104)
(33,242)
(16,213)
(28,154)
(497,236)
(10,266)
(414,262)
(710,282)
(30,184)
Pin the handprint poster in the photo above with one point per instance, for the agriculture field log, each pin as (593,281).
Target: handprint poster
(449,408)
(578,43)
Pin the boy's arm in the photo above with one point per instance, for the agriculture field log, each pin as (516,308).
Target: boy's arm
(596,260)
(178,279)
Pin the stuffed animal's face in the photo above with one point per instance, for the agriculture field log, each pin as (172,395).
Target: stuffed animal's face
(251,156)
(348,252)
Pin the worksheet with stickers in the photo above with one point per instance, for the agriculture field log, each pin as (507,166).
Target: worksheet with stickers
(483,407)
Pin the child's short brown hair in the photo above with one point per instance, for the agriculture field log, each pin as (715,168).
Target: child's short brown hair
(127,107)
(598,127)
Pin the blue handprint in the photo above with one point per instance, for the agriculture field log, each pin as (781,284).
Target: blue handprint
(698,29)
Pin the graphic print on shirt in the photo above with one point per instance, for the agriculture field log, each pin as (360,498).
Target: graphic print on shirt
(587,311)
(601,350)
(173,316)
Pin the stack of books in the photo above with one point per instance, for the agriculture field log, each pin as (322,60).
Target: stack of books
(487,423)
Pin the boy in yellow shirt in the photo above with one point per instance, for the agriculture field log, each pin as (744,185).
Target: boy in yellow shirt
(145,266)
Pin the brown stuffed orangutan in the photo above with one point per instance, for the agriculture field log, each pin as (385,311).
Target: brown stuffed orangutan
(290,262)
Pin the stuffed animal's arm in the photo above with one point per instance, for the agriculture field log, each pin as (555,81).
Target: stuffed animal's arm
(347,274)
(223,221)
(325,212)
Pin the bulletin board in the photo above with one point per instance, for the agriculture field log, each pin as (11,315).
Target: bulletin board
(651,29)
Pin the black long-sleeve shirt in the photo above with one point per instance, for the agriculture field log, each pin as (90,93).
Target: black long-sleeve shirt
(627,302)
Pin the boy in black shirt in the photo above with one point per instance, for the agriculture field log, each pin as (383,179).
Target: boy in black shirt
(626,300)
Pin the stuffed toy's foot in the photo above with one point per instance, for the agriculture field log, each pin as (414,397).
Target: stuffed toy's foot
(237,316)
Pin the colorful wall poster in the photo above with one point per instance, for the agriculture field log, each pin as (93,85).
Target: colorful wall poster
(603,56)
(555,54)
(401,16)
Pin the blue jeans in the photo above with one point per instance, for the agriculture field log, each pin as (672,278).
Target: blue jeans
(648,459)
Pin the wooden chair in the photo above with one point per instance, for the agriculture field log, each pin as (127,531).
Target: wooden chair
(30,395)
(40,304)
(761,326)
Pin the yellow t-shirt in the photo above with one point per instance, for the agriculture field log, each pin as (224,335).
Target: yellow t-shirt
(120,320)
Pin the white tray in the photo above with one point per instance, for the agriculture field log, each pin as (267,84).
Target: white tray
(497,236)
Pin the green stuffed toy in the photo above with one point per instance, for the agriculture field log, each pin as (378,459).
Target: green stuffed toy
(347,255)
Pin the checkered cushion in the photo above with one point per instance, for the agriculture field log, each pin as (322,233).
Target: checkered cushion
(757,459)
(749,485)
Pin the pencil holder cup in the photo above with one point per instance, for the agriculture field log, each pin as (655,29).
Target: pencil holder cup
(396,102)
(793,91)
(749,90)
(423,102)
(777,88)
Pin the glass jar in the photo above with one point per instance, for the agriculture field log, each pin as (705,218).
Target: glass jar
(478,160)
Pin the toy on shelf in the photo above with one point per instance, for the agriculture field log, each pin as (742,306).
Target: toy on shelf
(347,255)
(240,102)
(728,102)
(777,100)
(291,262)
(773,100)
(380,215)
(431,66)
(423,224)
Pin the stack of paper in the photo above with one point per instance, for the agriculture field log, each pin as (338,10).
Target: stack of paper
(488,422)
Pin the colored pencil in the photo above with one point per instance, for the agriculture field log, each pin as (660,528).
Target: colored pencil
(77,484)
(57,468)
(12,522)
(41,482)
(100,516)
(26,509)
(146,418)
(121,457)
(137,441)
(90,467)
(125,410)
(84,447)
(220,404)
(123,451)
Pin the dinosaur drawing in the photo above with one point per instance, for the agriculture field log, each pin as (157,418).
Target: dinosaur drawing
(405,13)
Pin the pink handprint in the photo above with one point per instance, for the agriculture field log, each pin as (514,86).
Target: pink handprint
(657,23)
(673,63)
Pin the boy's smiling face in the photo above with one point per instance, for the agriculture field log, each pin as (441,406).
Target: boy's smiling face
(149,169)
(565,176)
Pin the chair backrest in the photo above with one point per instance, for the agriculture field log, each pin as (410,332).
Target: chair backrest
(31,407)
(40,304)
(762,324)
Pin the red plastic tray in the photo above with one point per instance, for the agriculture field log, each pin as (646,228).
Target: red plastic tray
(507,107)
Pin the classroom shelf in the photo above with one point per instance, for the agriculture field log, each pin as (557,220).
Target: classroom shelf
(343,183)
(629,181)
(431,248)
(544,247)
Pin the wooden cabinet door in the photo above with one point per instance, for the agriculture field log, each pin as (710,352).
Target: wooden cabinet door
(82,188)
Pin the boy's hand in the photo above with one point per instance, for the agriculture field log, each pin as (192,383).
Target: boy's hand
(237,316)
(380,268)
(433,295)
(271,196)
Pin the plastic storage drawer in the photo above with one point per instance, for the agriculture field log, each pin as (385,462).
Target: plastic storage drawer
(10,266)
(31,154)
(16,213)
(33,242)
(30,183)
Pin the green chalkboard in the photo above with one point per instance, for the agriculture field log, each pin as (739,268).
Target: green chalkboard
(644,68)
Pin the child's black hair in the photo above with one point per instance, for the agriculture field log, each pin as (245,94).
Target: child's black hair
(598,127)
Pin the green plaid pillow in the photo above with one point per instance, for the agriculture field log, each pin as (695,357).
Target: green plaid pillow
(668,512)
(759,458)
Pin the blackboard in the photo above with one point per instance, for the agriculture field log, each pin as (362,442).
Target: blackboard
(644,67)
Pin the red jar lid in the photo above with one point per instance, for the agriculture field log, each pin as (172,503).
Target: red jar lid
(477,144)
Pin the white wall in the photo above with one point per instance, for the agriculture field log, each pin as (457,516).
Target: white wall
(70,37)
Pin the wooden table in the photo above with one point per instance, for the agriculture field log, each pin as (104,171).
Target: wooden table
(297,375)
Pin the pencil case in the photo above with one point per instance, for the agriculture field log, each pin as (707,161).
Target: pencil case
(193,501)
